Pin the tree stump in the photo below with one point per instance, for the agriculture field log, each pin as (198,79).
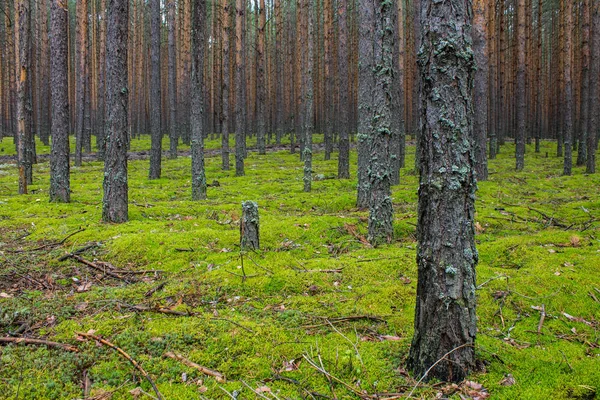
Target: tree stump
(249,226)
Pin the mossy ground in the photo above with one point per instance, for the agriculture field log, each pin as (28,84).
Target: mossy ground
(537,239)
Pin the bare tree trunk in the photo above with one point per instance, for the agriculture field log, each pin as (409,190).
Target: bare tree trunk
(594,121)
(114,203)
(173,138)
(480,96)
(155,97)
(445,320)
(226,88)
(585,85)
(261,81)
(521,106)
(568,59)
(197,109)
(80,70)
(240,103)
(60,187)
(100,129)
(23,51)
(309,108)
(343,127)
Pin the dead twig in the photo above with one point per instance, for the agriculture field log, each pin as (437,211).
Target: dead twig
(338,380)
(219,377)
(124,355)
(42,342)
(45,246)
(79,251)
(100,269)
(155,289)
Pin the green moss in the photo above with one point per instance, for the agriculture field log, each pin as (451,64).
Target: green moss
(249,330)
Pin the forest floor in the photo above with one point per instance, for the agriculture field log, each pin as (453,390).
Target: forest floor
(316,313)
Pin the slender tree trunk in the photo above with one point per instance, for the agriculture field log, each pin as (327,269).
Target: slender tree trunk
(23,51)
(226,88)
(344,105)
(568,72)
(585,84)
(172,82)
(240,104)
(100,129)
(60,187)
(197,109)
(445,320)
(155,97)
(521,105)
(594,105)
(261,81)
(114,204)
(480,95)
(309,108)
(80,71)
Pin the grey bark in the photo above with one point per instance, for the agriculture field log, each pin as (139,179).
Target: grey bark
(114,203)
(344,104)
(249,226)
(594,122)
(445,321)
(240,103)
(197,109)
(569,98)
(308,95)
(481,94)
(25,153)
(80,69)
(585,84)
(155,96)
(521,105)
(173,138)
(261,88)
(60,187)
(384,94)
(225,89)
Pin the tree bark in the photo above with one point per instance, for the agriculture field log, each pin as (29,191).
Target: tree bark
(197,109)
(568,73)
(309,107)
(445,321)
(226,88)
(173,138)
(240,103)
(23,62)
(585,84)
(261,88)
(521,106)
(155,97)
(480,95)
(594,105)
(344,104)
(80,70)
(114,203)
(60,187)
(249,226)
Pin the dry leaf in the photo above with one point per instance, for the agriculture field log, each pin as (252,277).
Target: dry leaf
(508,380)
(5,295)
(85,287)
(263,389)
(575,241)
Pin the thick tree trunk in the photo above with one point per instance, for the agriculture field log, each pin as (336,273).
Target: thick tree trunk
(381,118)
(594,105)
(24,134)
(155,97)
(344,104)
(114,203)
(480,95)
(445,321)
(173,138)
(60,187)
(226,124)
(197,109)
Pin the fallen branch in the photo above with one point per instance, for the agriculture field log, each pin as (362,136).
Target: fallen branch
(124,355)
(45,246)
(219,377)
(155,289)
(79,251)
(325,271)
(41,342)
(338,380)
(100,269)
(160,310)
(351,229)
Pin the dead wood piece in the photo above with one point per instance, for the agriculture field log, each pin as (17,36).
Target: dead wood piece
(42,342)
(100,269)
(351,229)
(45,246)
(325,271)
(219,377)
(124,355)
(79,251)
(155,289)
(542,318)
(161,310)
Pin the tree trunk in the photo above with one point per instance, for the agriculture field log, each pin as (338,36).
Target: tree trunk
(568,57)
(343,126)
(100,129)
(445,321)
(594,105)
(521,106)
(383,96)
(261,81)
(309,108)
(114,203)
(80,70)
(197,109)
(249,226)
(60,186)
(172,81)
(155,97)
(585,85)
(226,88)
(240,103)
(480,95)
(23,51)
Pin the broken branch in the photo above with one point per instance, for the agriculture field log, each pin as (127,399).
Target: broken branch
(219,377)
